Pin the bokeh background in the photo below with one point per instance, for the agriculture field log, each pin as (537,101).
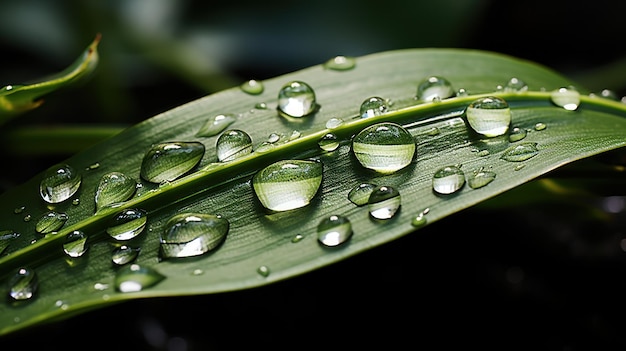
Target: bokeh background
(532,276)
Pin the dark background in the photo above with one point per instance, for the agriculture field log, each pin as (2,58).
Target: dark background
(528,277)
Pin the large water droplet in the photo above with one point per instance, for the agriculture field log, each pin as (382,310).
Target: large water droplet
(193,234)
(252,87)
(520,152)
(373,106)
(124,254)
(384,147)
(568,98)
(114,187)
(127,224)
(489,116)
(215,125)
(334,230)
(479,178)
(384,202)
(448,180)
(328,142)
(59,184)
(169,161)
(233,144)
(287,184)
(75,244)
(135,278)
(6,236)
(340,63)
(360,194)
(23,284)
(434,88)
(50,222)
(296,99)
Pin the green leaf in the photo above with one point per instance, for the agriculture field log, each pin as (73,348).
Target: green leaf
(17,99)
(263,246)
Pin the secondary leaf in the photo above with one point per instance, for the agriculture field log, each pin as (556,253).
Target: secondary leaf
(263,246)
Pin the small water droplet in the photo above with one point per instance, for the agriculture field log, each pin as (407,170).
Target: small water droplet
(27,218)
(384,202)
(334,230)
(273,138)
(216,125)
(197,271)
(520,152)
(127,224)
(50,222)
(373,106)
(134,278)
(296,99)
(434,88)
(334,123)
(479,178)
(19,209)
(419,220)
(340,63)
(297,238)
(100,286)
(233,144)
(75,244)
(360,194)
(462,92)
(483,153)
(489,116)
(252,87)
(76,202)
(59,184)
(519,167)
(448,180)
(540,126)
(433,131)
(169,161)
(265,146)
(263,271)
(114,187)
(515,85)
(384,147)
(568,98)
(260,106)
(124,254)
(6,236)
(295,135)
(329,142)
(517,134)
(192,234)
(287,184)
(23,284)
(93,166)
(607,94)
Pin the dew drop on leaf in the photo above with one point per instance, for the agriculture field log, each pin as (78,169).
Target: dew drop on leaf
(384,202)
(168,161)
(520,152)
(134,278)
(515,85)
(448,180)
(23,284)
(489,116)
(334,123)
(263,271)
(6,236)
(373,106)
(479,178)
(127,224)
(252,87)
(540,126)
(329,142)
(334,230)
(384,147)
(568,98)
(360,194)
(216,125)
(59,183)
(419,220)
(296,99)
(340,63)
(114,187)
(75,244)
(287,184)
(193,234)
(517,134)
(124,254)
(50,222)
(434,88)
(233,144)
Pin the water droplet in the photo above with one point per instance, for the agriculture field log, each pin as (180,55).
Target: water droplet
(515,85)
(448,180)
(373,106)
(433,131)
(253,87)
(135,278)
(76,202)
(434,88)
(114,187)
(75,244)
(233,144)
(193,234)
(216,125)
(520,152)
(297,238)
(296,99)
(334,123)
(607,94)
(517,134)
(329,142)
(419,220)
(100,286)
(23,284)
(273,138)
(540,126)
(340,63)
(568,98)
(27,218)
(295,135)
(127,224)
(489,116)
(263,271)
(6,236)
(197,271)
(59,184)
(169,161)
(93,166)
(384,202)
(462,92)
(334,230)
(19,209)
(519,167)
(50,222)
(384,147)
(479,178)
(124,254)
(360,194)
(287,184)
(483,153)
(260,106)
